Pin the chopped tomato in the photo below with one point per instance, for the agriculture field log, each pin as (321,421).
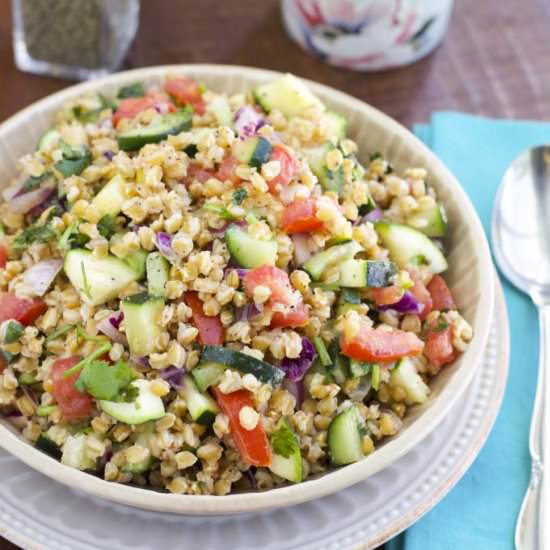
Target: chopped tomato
(74,405)
(440,293)
(289,167)
(377,345)
(422,296)
(211,330)
(186,91)
(199,174)
(282,293)
(132,106)
(386,296)
(24,310)
(3,257)
(3,362)
(253,445)
(439,346)
(299,217)
(226,171)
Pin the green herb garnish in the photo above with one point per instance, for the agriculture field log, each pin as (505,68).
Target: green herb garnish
(87,289)
(283,440)
(239,195)
(91,115)
(220,210)
(75,160)
(322,351)
(34,234)
(132,90)
(106,347)
(46,410)
(14,331)
(110,383)
(375,377)
(441,326)
(81,334)
(33,182)
(59,332)
(107,226)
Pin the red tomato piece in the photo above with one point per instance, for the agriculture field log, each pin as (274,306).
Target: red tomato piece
(439,346)
(186,91)
(299,217)
(211,330)
(289,167)
(296,317)
(386,296)
(422,296)
(253,445)
(199,174)
(24,310)
(3,257)
(3,363)
(441,295)
(132,106)
(75,405)
(376,345)
(226,171)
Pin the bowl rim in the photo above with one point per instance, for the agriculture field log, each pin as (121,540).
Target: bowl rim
(331,481)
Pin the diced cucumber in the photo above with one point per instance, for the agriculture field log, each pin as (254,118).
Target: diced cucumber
(405,376)
(336,125)
(136,262)
(366,273)
(339,368)
(12,332)
(321,261)
(432,222)
(207,374)
(170,124)
(45,444)
(144,465)
(247,250)
(287,94)
(142,314)
(287,458)
(263,371)
(147,406)
(344,437)
(49,140)
(253,151)
(359,368)
(349,299)
(158,272)
(407,245)
(27,378)
(111,197)
(222,111)
(202,408)
(75,455)
(98,280)
(330,180)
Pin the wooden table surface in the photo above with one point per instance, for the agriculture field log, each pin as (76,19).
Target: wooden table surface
(494,61)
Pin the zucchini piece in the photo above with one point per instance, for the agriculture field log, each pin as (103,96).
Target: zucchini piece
(207,374)
(49,140)
(405,376)
(74,453)
(287,94)
(339,368)
(46,445)
(111,197)
(201,406)
(144,465)
(344,437)
(409,246)
(170,124)
(253,151)
(263,371)
(286,460)
(366,273)
(136,262)
(142,314)
(349,299)
(330,180)
(431,222)
(320,262)
(158,272)
(98,280)
(336,125)
(147,406)
(247,250)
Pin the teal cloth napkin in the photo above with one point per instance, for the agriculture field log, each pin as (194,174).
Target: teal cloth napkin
(480,512)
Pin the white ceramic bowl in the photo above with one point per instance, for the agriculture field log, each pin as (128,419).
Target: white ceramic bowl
(470,276)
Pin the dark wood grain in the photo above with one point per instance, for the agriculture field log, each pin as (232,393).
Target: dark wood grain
(494,61)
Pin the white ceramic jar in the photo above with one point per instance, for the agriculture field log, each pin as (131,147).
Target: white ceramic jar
(367,35)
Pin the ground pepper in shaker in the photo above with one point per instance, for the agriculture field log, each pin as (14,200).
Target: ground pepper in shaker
(73,38)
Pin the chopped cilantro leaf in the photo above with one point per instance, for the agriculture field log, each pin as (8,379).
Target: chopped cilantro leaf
(283,440)
(222,211)
(33,182)
(13,332)
(34,234)
(103,381)
(75,160)
(239,195)
(132,90)
(441,326)
(107,226)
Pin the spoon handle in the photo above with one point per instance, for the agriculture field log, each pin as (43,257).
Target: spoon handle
(530,527)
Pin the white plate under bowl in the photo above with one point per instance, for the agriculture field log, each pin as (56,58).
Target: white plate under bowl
(470,275)
(38,513)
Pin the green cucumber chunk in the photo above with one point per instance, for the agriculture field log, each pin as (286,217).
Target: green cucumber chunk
(247,250)
(12,332)
(142,314)
(201,406)
(431,222)
(253,151)
(344,437)
(405,376)
(46,445)
(136,262)
(407,245)
(366,273)
(158,273)
(330,180)
(144,465)
(359,368)
(49,140)
(207,374)
(320,262)
(339,367)
(336,125)
(75,454)
(111,197)
(263,371)
(286,460)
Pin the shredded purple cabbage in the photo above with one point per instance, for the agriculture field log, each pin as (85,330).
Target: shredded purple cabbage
(248,121)
(142,362)
(164,245)
(295,369)
(108,155)
(407,304)
(116,319)
(374,215)
(296,388)
(173,376)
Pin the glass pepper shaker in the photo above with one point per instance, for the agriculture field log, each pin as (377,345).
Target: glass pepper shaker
(77,39)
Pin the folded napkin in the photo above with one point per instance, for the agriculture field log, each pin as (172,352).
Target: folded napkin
(480,512)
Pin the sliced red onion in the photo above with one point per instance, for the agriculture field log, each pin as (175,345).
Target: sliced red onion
(246,313)
(220,233)
(16,418)
(301,248)
(110,327)
(374,215)
(173,376)
(407,304)
(38,278)
(164,245)
(248,121)
(23,203)
(295,369)
(108,155)
(142,362)
(296,388)
(11,192)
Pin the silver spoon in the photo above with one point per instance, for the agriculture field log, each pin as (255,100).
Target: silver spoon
(521,243)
